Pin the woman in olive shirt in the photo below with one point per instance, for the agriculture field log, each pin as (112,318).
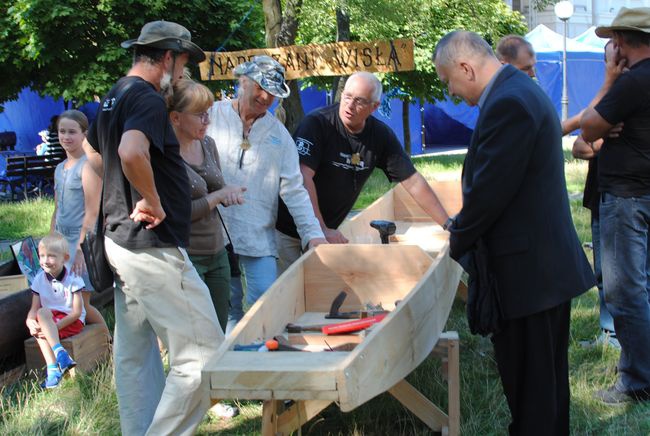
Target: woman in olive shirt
(188,108)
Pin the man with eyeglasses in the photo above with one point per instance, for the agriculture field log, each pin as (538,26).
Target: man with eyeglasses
(339,147)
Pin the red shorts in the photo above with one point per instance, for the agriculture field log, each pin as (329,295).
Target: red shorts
(70,330)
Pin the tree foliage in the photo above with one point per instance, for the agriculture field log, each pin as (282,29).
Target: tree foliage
(426,21)
(71,48)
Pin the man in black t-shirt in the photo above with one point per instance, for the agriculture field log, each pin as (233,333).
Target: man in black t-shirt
(146,211)
(339,147)
(624,183)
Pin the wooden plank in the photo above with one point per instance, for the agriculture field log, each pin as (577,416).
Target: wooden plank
(12,284)
(260,394)
(377,274)
(281,304)
(453,383)
(406,336)
(306,395)
(241,394)
(298,414)
(427,235)
(333,59)
(269,418)
(449,192)
(357,229)
(278,370)
(419,405)
(87,349)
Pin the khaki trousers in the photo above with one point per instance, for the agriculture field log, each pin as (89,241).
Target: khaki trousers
(159,294)
(289,250)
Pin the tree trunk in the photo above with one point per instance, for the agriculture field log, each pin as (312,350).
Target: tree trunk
(280,31)
(272,20)
(406,125)
(342,34)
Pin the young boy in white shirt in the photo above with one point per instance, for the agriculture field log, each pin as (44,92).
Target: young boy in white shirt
(57,310)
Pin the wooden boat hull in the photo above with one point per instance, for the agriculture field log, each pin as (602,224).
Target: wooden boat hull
(414,226)
(422,286)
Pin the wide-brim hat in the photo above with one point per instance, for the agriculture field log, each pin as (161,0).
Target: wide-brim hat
(266,72)
(169,36)
(631,20)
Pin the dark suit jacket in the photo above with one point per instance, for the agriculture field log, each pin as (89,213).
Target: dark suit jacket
(514,196)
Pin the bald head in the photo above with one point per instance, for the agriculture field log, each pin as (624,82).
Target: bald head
(461,44)
(465,63)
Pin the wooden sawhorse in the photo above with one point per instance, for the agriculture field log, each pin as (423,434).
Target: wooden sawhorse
(276,421)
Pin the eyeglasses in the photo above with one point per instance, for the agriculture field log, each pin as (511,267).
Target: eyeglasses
(358,101)
(204,117)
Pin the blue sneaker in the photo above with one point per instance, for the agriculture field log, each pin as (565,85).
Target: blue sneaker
(53,380)
(64,361)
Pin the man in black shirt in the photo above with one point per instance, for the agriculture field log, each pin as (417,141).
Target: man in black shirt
(146,210)
(339,147)
(624,181)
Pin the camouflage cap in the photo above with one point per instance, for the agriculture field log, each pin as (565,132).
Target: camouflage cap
(266,72)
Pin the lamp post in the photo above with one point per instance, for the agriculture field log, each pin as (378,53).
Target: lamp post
(564,10)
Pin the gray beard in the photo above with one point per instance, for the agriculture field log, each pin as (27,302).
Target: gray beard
(166,88)
(165,82)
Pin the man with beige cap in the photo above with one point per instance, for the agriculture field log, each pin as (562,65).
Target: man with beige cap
(146,208)
(624,180)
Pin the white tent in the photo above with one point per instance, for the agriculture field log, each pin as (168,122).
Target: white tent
(589,37)
(545,40)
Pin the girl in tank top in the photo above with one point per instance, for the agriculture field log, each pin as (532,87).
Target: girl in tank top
(76,199)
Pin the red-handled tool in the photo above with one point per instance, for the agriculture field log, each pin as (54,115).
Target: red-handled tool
(352,326)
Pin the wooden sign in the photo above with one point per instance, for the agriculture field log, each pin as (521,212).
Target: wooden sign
(335,59)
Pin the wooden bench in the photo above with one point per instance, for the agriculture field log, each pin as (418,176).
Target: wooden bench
(87,348)
(31,174)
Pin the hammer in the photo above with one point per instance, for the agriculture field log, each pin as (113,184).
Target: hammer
(385,229)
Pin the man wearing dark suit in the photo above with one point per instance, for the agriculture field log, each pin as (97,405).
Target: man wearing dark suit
(515,200)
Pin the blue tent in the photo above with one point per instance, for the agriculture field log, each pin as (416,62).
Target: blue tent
(28,115)
(585,67)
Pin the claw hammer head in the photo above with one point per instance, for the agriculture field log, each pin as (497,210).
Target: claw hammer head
(385,229)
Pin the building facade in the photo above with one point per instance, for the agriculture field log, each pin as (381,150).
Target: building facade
(586,13)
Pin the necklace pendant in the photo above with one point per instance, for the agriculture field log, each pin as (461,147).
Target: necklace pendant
(245,144)
(355,159)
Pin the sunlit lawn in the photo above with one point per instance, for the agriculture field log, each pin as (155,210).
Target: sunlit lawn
(87,405)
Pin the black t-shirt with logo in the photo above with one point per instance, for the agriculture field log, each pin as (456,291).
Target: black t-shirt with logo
(624,162)
(343,161)
(134,104)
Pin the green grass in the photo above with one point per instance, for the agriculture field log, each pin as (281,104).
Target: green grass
(25,218)
(87,405)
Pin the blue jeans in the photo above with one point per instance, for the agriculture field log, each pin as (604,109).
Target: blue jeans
(606,320)
(624,225)
(258,273)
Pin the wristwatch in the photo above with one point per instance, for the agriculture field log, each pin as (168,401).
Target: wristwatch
(448,223)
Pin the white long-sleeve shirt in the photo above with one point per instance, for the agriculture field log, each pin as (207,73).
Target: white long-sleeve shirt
(270,167)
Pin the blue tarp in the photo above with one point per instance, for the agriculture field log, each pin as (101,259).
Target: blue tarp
(27,116)
(31,113)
